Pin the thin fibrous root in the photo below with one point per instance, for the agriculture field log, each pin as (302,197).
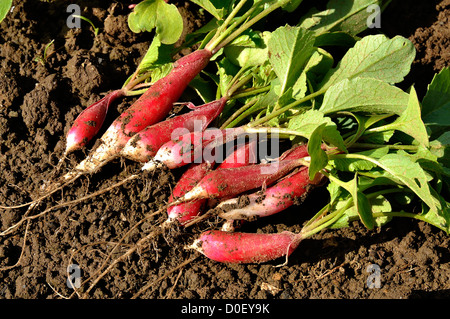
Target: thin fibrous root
(35,202)
(69,203)
(22,250)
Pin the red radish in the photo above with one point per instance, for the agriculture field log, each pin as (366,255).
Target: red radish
(144,145)
(89,122)
(229,182)
(242,156)
(190,147)
(298,151)
(238,247)
(184,212)
(274,199)
(150,108)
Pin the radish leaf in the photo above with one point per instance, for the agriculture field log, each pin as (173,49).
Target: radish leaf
(306,123)
(159,15)
(289,50)
(349,16)
(319,158)
(215,8)
(411,174)
(5,6)
(409,122)
(364,95)
(374,56)
(436,105)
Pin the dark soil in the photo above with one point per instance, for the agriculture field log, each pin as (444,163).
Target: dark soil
(38,103)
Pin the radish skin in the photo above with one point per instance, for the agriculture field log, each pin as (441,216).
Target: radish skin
(274,199)
(238,247)
(230,182)
(185,212)
(242,156)
(144,145)
(150,108)
(89,122)
(190,148)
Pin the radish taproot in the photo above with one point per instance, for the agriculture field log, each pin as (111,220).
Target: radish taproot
(274,199)
(238,247)
(229,182)
(89,122)
(152,107)
(185,212)
(144,145)
(242,156)
(191,147)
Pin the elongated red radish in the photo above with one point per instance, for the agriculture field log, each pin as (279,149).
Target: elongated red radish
(242,156)
(238,247)
(150,108)
(298,151)
(144,145)
(274,199)
(229,182)
(89,121)
(184,212)
(190,148)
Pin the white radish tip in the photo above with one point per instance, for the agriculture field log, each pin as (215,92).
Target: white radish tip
(71,143)
(196,245)
(230,201)
(151,165)
(196,193)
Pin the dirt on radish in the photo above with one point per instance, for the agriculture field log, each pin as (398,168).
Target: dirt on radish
(38,103)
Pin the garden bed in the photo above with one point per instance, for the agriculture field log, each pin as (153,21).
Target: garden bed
(38,103)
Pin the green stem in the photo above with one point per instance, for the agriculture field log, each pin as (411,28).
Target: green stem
(248,24)
(222,33)
(326,221)
(237,84)
(237,113)
(251,92)
(287,108)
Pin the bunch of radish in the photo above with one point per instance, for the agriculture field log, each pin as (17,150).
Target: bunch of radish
(274,93)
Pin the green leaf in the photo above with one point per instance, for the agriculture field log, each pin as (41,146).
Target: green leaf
(438,93)
(378,204)
(436,105)
(216,8)
(349,16)
(151,14)
(439,217)
(354,165)
(319,158)
(5,6)
(291,5)
(374,56)
(410,121)
(403,169)
(289,50)
(156,55)
(248,54)
(363,208)
(226,71)
(318,65)
(440,147)
(306,124)
(364,95)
